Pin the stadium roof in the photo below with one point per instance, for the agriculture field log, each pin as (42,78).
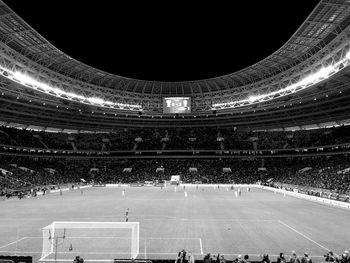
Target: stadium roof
(305,82)
(314,34)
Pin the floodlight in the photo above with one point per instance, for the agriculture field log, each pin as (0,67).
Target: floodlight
(43,87)
(348,55)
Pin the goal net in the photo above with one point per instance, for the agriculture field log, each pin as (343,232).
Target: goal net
(92,241)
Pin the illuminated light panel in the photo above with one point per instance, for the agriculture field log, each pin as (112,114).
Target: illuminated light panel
(45,88)
(95,100)
(254,98)
(348,55)
(320,75)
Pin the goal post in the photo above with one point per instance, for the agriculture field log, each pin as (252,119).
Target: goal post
(93,241)
(47,241)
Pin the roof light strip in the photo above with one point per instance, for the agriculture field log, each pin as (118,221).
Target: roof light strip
(320,75)
(32,83)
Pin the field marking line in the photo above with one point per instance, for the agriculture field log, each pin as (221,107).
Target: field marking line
(18,240)
(153,219)
(85,260)
(145,249)
(210,220)
(150,253)
(200,244)
(155,215)
(180,238)
(305,236)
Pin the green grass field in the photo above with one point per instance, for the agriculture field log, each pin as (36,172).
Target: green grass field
(208,220)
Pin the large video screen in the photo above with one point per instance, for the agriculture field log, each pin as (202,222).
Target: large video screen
(177,105)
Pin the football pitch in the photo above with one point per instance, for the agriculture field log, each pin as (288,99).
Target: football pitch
(208,220)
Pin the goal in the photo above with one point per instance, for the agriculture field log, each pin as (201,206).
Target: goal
(93,241)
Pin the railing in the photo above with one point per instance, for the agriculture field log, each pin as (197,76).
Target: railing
(196,153)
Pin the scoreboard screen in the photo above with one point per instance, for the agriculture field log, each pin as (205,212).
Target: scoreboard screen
(177,105)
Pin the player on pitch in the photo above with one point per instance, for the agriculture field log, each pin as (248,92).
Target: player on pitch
(127,215)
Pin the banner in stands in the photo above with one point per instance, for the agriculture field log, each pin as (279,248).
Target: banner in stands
(149,183)
(175,178)
(226,170)
(50,170)
(5,172)
(304,169)
(344,171)
(127,170)
(26,169)
(138,139)
(160,169)
(192,169)
(99,185)
(139,184)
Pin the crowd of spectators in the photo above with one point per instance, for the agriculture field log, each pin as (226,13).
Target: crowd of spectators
(176,139)
(329,173)
(187,257)
(20,174)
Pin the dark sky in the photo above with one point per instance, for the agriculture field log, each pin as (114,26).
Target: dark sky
(171,42)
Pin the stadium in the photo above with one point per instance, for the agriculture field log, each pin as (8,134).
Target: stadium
(250,166)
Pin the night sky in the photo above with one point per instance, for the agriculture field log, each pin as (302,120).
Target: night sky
(170,42)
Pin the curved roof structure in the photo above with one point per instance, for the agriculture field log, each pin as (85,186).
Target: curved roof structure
(314,34)
(304,82)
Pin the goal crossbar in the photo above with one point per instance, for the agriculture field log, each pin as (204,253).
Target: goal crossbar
(76,224)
